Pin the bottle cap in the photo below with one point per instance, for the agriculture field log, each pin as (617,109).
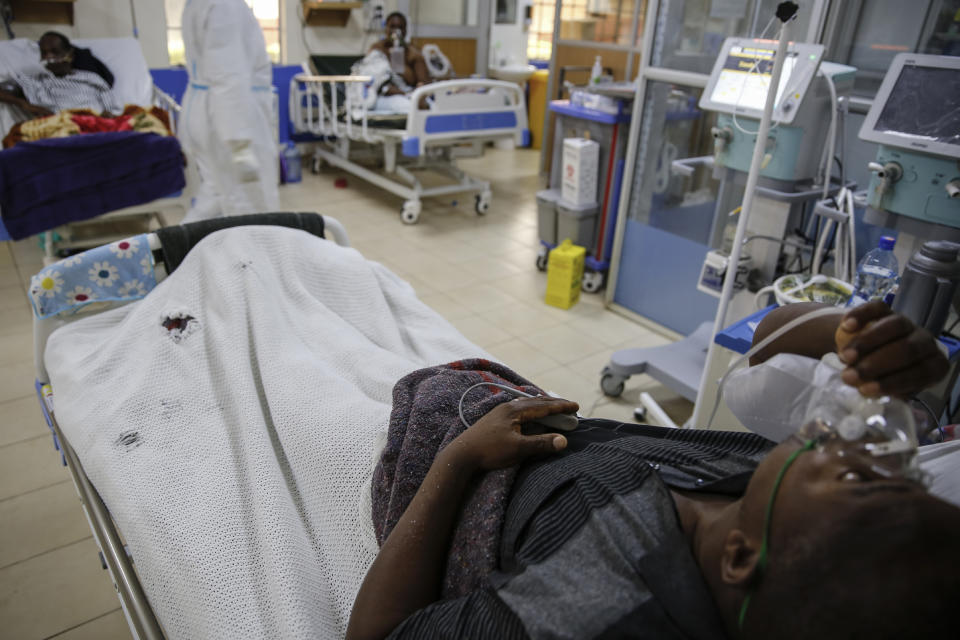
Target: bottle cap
(887,242)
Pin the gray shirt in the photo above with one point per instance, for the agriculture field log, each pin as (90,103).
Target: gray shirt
(592,545)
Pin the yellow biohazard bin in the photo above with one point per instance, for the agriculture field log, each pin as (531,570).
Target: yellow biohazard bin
(565,274)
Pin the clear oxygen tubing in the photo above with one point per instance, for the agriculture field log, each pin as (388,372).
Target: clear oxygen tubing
(748,195)
(807,317)
(511,390)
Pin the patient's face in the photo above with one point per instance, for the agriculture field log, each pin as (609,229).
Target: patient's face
(822,485)
(396,23)
(57,57)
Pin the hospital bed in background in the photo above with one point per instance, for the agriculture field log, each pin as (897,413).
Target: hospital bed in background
(133,85)
(461,115)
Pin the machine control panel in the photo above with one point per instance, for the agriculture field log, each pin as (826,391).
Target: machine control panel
(743,71)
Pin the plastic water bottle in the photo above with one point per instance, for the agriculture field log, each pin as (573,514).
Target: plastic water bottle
(877,274)
(597,72)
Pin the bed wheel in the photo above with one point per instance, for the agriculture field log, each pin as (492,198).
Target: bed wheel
(542,255)
(611,384)
(592,281)
(483,202)
(410,212)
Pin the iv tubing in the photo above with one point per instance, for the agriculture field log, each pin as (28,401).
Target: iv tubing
(817,313)
(748,195)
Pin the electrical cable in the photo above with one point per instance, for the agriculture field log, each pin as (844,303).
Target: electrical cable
(756,65)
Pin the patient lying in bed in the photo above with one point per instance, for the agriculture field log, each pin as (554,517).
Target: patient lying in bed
(63,85)
(617,530)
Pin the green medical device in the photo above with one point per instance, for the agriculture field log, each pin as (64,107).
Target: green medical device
(737,89)
(915,119)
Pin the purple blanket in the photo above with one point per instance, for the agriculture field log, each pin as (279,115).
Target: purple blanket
(424,420)
(47,183)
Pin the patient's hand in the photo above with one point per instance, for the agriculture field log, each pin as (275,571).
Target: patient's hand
(496,441)
(36,110)
(888,354)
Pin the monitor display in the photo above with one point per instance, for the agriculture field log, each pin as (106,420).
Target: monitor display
(745,77)
(924,103)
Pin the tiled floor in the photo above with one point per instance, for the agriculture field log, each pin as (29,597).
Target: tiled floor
(478,272)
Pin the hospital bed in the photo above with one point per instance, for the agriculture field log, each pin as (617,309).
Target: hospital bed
(460,114)
(133,85)
(211,504)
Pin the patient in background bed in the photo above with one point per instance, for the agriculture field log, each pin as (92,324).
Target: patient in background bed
(408,65)
(620,530)
(74,79)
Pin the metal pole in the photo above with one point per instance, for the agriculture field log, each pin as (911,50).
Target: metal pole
(745,209)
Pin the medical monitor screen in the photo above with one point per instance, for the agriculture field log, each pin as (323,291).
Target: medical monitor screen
(924,103)
(745,77)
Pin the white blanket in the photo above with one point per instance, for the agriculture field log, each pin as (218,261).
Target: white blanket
(235,455)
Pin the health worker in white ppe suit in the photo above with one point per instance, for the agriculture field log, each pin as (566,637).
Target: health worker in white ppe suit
(227,110)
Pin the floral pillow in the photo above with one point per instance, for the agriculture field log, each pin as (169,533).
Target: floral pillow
(117,272)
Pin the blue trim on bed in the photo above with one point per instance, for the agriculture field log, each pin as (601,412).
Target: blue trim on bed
(411,147)
(525,138)
(470,121)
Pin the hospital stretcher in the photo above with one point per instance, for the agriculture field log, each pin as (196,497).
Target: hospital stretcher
(133,85)
(117,548)
(460,115)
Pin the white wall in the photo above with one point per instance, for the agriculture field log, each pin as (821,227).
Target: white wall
(299,42)
(111,19)
(511,38)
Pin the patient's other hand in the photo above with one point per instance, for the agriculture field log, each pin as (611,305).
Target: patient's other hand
(887,354)
(496,442)
(37,111)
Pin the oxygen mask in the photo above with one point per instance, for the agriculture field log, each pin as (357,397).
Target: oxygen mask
(878,434)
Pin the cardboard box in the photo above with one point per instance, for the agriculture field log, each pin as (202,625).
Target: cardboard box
(581,158)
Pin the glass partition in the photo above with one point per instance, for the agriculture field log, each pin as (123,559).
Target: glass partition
(867,34)
(672,219)
(691,32)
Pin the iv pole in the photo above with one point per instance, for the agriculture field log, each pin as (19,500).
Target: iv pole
(786,11)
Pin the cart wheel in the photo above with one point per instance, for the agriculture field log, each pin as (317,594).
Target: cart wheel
(316,165)
(542,258)
(592,281)
(483,202)
(410,212)
(611,384)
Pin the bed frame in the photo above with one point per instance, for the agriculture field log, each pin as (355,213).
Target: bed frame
(462,116)
(114,557)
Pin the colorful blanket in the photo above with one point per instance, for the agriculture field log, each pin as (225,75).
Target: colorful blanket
(73,122)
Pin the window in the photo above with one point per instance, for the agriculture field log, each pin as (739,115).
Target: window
(608,21)
(267,13)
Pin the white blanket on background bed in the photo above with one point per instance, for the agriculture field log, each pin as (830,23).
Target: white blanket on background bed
(236,456)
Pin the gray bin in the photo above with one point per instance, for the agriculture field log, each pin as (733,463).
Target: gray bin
(577,222)
(547,215)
